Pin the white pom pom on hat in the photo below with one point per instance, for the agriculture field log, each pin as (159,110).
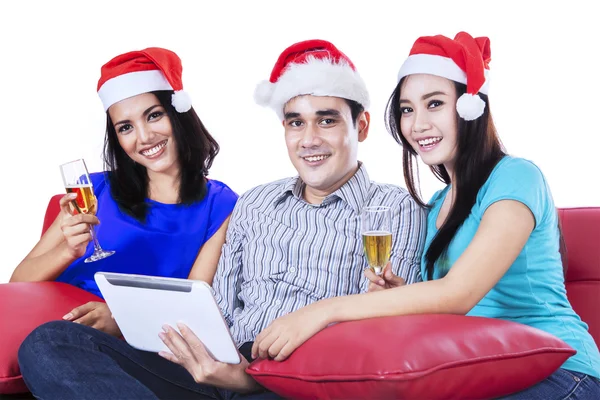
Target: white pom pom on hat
(263,93)
(463,59)
(182,101)
(143,71)
(470,106)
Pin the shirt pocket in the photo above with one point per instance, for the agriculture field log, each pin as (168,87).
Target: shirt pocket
(266,247)
(334,270)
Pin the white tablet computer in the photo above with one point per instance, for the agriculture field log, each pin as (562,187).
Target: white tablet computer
(141,305)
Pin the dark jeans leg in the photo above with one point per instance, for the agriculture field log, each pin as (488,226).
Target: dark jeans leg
(561,385)
(64,360)
(246,351)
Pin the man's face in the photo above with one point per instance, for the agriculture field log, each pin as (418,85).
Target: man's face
(322,141)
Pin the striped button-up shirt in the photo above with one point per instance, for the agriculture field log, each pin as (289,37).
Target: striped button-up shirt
(282,253)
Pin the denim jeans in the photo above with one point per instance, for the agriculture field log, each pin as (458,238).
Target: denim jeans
(561,385)
(63,360)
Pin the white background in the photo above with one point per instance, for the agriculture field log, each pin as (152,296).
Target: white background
(544,92)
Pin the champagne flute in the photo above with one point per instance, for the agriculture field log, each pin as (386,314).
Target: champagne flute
(376,229)
(77,180)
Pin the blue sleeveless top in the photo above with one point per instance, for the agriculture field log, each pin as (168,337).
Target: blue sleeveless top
(167,244)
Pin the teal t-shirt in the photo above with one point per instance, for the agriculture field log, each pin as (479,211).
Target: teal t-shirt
(532,292)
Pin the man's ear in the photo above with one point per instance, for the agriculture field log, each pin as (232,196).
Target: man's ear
(364,121)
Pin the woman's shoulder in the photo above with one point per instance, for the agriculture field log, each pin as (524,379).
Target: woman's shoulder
(517,169)
(519,179)
(99,181)
(219,198)
(219,189)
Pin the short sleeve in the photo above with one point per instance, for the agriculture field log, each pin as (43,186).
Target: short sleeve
(99,181)
(515,179)
(222,200)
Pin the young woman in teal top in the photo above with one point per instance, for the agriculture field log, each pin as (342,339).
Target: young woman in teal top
(492,246)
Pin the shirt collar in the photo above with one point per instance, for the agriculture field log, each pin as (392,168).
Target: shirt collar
(354,192)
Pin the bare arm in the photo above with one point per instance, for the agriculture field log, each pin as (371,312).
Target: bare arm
(504,230)
(189,352)
(205,266)
(502,233)
(63,242)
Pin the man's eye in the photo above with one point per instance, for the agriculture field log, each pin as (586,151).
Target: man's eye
(327,121)
(295,124)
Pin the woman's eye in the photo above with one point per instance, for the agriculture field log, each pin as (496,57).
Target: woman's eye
(155,115)
(435,103)
(405,110)
(124,128)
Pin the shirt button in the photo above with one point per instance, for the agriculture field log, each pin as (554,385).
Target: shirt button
(293,269)
(278,302)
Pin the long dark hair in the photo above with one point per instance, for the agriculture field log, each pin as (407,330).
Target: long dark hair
(196,150)
(479,150)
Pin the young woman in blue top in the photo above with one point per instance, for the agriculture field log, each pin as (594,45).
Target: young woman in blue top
(156,208)
(492,247)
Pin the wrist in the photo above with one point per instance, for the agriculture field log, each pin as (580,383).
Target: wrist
(66,254)
(327,310)
(248,384)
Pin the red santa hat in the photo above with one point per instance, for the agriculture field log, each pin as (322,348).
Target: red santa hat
(314,67)
(464,59)
(143,71)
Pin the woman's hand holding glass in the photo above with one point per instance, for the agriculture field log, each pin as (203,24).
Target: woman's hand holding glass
(387,279)
(77,182)
(75,228)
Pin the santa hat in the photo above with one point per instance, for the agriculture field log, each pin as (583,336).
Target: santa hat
(464,59)
(143,71)
(314,67)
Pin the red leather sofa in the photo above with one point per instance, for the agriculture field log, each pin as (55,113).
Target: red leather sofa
(581,232)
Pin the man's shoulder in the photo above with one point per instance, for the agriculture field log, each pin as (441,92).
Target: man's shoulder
(389,190)
(265,191)
(391,195)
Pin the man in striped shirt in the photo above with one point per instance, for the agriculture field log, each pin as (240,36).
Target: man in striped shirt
(298,240)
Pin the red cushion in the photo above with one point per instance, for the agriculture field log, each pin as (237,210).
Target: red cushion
(23,307)
(581,231)
(52,211)
(415,357)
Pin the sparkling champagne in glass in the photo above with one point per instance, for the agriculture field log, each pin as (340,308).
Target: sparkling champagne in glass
(376,228)
(77,180)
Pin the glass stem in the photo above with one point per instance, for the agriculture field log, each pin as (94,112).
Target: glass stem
(97,247)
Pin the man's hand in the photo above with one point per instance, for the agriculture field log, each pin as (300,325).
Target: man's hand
(94,314)
(189,352)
